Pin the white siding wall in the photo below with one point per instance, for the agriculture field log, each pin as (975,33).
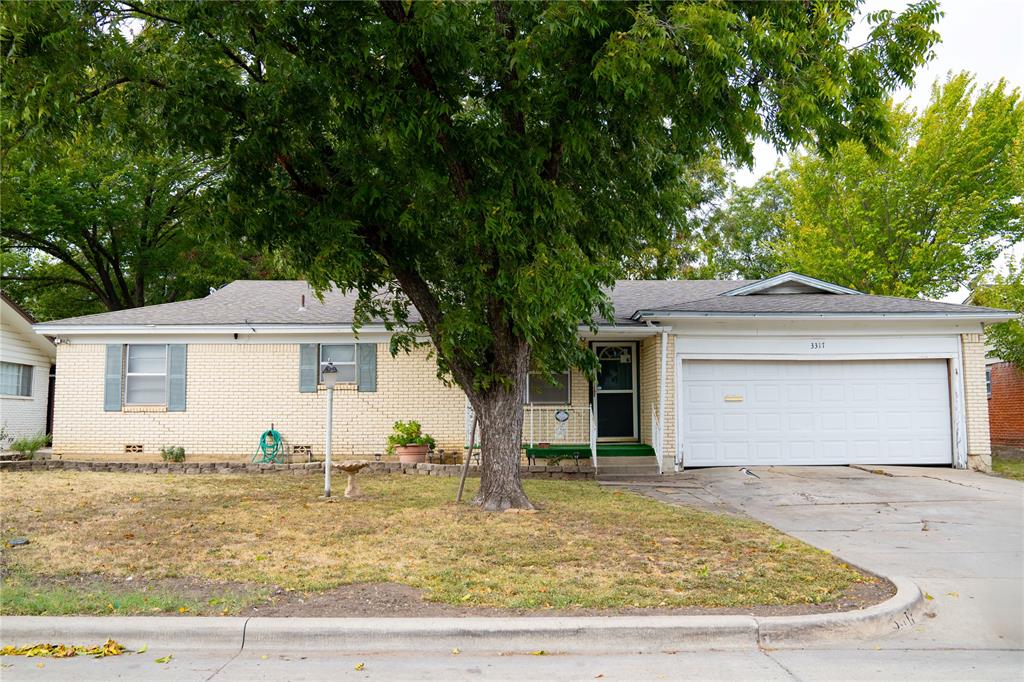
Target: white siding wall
(23,416)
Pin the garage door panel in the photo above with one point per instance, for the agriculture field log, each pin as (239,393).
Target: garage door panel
(827,412)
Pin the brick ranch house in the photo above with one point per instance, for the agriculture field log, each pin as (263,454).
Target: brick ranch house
(1005,383)
(782,371)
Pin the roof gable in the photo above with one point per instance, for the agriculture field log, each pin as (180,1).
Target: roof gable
(791,283)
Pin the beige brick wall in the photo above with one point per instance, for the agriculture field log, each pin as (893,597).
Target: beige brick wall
(975,395)
(650,385)
(235,391)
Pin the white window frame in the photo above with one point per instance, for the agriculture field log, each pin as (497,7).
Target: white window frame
(568,390)
(127,374)
(988,381)
(322,364)
(21,380)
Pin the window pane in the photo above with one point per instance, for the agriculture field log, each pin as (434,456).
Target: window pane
(26,380)
(338,353)
(542,391)
(346,374)
(147,359)
(10,378)
(143,390)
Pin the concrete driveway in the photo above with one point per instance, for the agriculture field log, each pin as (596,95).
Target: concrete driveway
(957,534)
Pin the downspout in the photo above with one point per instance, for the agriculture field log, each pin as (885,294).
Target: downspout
(661,398)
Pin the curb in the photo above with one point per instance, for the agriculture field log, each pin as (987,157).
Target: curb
(898,612)
(134,632)
(591,634)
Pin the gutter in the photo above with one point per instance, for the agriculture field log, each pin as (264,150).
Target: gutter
(968,317)
(56,329)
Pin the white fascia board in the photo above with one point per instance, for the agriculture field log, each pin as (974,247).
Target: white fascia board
(987,318)
(787,277)
(621,331)
(50,329)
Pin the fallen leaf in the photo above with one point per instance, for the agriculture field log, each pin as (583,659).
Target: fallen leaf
(165,659)
(928,596)
(360,666)
(539,652)
(144,649)
(456,651)
(264,657)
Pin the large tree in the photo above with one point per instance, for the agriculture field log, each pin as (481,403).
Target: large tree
(923,219)
(492,162)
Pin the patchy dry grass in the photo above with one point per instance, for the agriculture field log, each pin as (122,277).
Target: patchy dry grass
(587,547)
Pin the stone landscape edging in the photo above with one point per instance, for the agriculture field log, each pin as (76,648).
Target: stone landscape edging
(555,634)
(572,472)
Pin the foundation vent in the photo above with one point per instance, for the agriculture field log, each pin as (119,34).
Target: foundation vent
(133,449)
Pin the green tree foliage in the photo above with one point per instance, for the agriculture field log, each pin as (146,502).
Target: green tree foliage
(924,218)
(742,234)
(1005,291)
(488,163)
(92,225)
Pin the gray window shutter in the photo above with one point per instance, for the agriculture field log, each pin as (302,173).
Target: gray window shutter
(176,376)
(366,357)
(308,368)
(112,379)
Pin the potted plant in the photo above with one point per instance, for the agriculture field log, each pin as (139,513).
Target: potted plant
(408,441)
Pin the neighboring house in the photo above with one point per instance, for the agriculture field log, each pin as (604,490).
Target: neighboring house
(787,370)
(1005,383)
(25,362)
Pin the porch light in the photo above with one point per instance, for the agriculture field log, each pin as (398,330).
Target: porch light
(330,375)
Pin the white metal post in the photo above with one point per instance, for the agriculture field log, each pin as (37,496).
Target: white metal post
(330,378)
(327,445)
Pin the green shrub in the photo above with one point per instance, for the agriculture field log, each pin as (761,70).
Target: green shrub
(28,446)
(408,433)
(172,453)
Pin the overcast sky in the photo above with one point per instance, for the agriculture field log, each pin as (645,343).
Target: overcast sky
(985,37)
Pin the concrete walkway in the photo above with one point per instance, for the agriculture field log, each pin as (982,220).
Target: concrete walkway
(958,534)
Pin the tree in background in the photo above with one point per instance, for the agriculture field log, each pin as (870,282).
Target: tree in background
(98,226)
(489,164)
(1004,291)
(682,249)
(922,219)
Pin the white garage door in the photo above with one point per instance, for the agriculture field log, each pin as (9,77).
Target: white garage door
(815,412)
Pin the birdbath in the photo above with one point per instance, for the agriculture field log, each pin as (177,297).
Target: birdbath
(352,468)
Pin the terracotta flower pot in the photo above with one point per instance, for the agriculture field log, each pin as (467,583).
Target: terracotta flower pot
(411,454)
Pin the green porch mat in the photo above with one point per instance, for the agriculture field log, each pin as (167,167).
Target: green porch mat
(583,450)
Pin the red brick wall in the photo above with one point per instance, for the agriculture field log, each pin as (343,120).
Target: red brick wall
(1006,406)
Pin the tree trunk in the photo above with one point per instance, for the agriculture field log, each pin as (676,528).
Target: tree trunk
(500,411)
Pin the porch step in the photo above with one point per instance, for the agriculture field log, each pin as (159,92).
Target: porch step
(624,450)
(614,462)
(626,468)
(630,478)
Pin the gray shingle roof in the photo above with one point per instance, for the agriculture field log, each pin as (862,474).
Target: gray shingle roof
(821,304)
(268,302)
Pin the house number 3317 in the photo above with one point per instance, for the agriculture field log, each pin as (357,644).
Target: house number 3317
(817,345)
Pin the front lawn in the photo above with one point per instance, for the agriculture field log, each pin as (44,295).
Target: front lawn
(1008,466)
(243,536)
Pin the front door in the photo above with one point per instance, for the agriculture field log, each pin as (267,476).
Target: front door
(615,391)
